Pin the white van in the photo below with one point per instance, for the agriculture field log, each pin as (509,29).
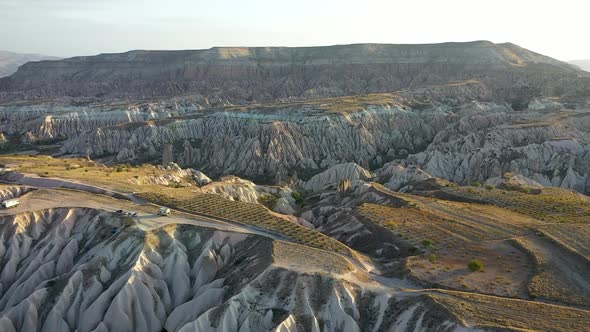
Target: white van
(10,203)
(164,211)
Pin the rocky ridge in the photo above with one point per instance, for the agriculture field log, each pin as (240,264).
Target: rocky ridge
(91,271)
(267,74)
(10,61)
(450,137)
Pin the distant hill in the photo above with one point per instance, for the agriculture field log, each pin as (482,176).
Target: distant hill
(583,64)
(268,74)
(9,61)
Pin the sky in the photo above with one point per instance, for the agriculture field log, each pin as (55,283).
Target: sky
(66,28)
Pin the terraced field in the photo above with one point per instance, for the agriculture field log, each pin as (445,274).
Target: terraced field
(295,256)
(554,205)
(453,233)
(447,223)
(575,237)
(414,225)
(498,312)
(560,276)
(248,214)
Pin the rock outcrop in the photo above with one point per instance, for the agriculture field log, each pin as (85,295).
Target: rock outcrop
(397,176)
(333,175)
(511,180)
(47,121)
(273,143)
(551,149)
(9,192)
(237,189)
(200,178)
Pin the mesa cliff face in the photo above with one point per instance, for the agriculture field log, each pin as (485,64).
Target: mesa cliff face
(264,74)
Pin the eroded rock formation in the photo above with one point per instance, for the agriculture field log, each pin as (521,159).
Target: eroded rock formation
(87,270)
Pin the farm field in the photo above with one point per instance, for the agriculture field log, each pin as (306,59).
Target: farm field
(559,276)
(248,214)
(575,237)
(498,312)
(451,233)
(555,205)
(448,246)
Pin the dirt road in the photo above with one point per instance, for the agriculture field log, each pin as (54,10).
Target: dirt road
(50,198)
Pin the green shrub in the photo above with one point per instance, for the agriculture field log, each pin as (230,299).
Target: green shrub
(476,184)
(297,197)
(174,185)
(428,243)
(489,187)
(475,265)
(270,201)
(391,224)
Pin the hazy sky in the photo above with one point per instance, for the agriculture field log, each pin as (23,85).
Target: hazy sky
(82,27)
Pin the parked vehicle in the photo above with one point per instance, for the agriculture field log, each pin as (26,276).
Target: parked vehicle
(131,214)
(10,203)
(120,212)
(164,211)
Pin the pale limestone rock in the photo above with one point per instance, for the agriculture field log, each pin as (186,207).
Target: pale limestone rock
(539,104)
(284,206)
(334,174)
(462,140)
(200,178)
(234,188)
(398,176)
(513,179)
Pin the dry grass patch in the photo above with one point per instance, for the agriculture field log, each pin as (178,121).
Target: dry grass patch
(555,205)
(344,104)
(558,276)
(506,270)
(417,226)
(502,313)
(295,256)
(575,237)
(117,177)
